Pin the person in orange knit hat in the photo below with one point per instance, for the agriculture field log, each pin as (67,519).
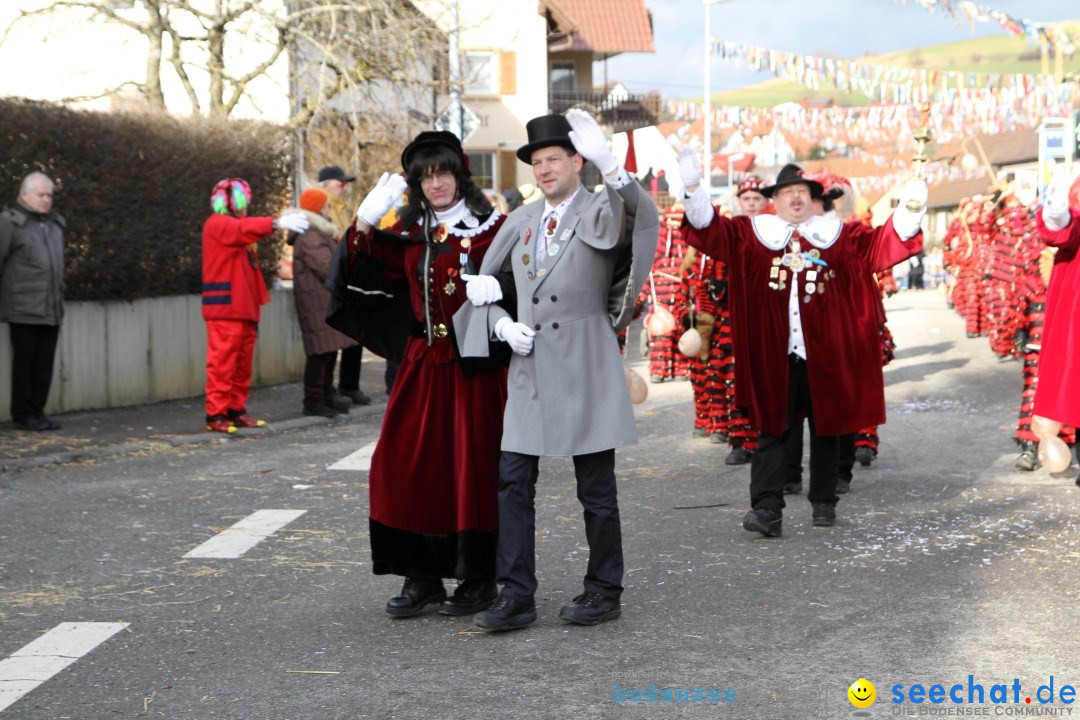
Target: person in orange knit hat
(233,292)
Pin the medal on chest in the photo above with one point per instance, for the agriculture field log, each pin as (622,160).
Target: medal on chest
(793,262)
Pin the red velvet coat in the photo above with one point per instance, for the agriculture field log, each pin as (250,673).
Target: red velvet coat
(841,324)
(1058,394)
(233,285)
(435,471)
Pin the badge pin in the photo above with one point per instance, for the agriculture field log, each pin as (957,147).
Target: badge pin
(541,272)
(774,272)
(810,288)
(530,274)
(526,259)
(528,234)
(565,235)
(811,275)
(466,243)
(553,249)
(450,287)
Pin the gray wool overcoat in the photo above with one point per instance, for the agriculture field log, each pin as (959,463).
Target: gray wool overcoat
(569,395)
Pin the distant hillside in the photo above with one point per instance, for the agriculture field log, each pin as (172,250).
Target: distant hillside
(999,54)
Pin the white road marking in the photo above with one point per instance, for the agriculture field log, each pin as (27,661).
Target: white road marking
(359,460)
(232,542)
(42,658)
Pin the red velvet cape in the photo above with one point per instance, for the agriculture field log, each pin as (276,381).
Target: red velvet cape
(1057,396)
(841,325)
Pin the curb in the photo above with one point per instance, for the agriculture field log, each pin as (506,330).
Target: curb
(175,441)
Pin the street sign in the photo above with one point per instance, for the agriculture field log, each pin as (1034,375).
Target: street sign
(470,123)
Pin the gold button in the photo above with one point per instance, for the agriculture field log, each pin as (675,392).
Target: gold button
(440,331)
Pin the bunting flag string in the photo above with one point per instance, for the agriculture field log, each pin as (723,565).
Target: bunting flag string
(1040,34)
(882,83)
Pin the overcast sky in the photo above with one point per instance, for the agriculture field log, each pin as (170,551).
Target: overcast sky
(845,28)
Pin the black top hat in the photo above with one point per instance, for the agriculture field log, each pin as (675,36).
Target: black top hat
(792,174)
(333,172)
(434,137)
(545,131)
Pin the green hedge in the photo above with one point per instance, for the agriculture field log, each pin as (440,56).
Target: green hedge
(135,190)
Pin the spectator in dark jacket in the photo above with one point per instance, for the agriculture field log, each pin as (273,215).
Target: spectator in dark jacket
(312,251)
(32,296)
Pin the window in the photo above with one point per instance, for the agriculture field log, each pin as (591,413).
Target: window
(478,73)
(482,165)
(563,77)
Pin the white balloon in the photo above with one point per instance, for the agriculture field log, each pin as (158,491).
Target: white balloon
(1054,454)
(690,343)
(639,389)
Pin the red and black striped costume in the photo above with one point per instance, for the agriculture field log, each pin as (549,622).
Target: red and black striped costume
(665,360)
(702,277)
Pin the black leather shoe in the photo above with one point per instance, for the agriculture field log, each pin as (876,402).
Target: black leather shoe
(506,613)
(1028,460)
(340,402)
(470,597)
(766,522)
(793,488)
(322,410)
(718,438)
(416,594)
(357,397)
(35,423)
(864,455)
(842,486)
(591,608)
(824,515)
(738,456)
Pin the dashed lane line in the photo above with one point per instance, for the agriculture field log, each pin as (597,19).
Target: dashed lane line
(44,657)
(359,460)
(234,541)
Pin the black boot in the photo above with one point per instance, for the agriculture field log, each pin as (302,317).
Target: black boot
(471,597)
(416,594)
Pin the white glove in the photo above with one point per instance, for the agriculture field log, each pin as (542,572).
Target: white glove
(1056,203)
(518,336)
(293,221)
(908,223)
(381,198)
(689,169)
(482,289)
(589,140)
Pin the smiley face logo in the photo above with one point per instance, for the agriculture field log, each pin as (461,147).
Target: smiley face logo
(862,693)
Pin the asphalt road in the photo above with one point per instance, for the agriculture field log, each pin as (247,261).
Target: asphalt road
(945,563)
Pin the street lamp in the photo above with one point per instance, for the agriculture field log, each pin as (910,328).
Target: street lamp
(707,180)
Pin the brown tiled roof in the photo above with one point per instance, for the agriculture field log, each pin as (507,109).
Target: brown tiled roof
(604,27)
(946,195)
(1007,148)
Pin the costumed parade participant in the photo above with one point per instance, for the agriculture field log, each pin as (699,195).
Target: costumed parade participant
(434,472)
(804,324)
(665,289)
(232,294)
(1057,396)
(577,261)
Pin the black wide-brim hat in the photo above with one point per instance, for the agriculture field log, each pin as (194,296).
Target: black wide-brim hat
(434,137)
(545,131)
(792,174)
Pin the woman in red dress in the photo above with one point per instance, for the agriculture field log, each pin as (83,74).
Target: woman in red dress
(435,471)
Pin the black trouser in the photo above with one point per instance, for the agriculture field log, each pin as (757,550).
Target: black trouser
(349,373)
(33,353)
(769,466)
(515,561)
(319,379)
(845,459)
(793,450)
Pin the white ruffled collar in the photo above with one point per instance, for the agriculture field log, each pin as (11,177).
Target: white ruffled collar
(460,222)
(821,231)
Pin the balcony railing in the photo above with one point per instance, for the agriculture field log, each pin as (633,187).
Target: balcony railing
(624,111)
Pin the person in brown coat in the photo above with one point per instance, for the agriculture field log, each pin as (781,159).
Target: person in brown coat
(312,250)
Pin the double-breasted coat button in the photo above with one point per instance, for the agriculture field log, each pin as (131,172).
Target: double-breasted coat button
(536,326)
(536,301)
(555,326)
(554,298)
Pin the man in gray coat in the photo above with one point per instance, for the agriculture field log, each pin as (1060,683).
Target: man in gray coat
(32,296)
(577,263)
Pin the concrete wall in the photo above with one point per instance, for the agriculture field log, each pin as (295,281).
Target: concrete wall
(117,353)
